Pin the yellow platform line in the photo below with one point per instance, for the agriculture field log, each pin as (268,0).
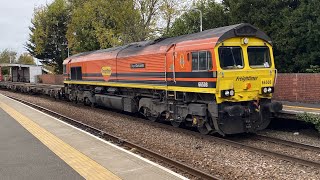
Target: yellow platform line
(85,166)
(299,107)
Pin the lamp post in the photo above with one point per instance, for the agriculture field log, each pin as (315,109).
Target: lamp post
(10,69)
(200,12)
(66,44)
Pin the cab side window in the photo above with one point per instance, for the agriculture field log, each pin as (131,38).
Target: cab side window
(76,73)
(195,61)
(201,61)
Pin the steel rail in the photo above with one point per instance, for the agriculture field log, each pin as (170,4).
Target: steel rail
(288,143)
(270,153)
(287,115)
(121,142)
(237,144)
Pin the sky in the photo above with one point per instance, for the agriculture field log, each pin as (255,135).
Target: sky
(15,18)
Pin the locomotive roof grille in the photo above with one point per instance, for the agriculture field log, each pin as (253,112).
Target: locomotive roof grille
(223,33)
(245,31)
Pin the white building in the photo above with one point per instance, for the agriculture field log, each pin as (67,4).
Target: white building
(24,73)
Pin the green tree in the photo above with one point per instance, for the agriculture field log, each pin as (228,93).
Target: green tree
(169,10)
(26,58)
(148,10)
(271,16)
(157,16)
(7,56)
(98,24)
(189,22)
(47,39)
(292,24)
(300,47)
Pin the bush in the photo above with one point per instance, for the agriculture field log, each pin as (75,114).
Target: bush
(313,69)
(310,118)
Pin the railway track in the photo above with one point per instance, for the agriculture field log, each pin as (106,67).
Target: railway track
(181,167)
(185,169)
(289,143)
(271,153)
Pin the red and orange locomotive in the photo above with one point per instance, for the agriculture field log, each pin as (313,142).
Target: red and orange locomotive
(219,80)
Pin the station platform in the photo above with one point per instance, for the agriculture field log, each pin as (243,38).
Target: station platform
(291,109)
(34,145)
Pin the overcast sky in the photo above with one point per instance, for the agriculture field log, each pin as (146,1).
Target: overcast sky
(15,18)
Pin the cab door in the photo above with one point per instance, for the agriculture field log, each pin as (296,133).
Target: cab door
(171,66)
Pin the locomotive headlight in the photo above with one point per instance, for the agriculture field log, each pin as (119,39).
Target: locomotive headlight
(231,92)
(245,40)
(227,93)
(265,90)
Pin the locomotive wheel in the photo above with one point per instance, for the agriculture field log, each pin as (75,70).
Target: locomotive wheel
(265,119)
(146,113)
(86,101)
(93,105)
(152,119)
(176,123)
(205,128)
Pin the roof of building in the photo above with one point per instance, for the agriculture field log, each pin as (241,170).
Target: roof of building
(17,65)
(24,65)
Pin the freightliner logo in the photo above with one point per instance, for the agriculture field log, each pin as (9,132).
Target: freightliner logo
(247,78)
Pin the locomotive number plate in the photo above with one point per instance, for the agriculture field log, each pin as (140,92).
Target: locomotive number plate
(203,84)
(266,82)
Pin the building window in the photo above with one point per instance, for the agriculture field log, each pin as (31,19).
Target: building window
(201,61)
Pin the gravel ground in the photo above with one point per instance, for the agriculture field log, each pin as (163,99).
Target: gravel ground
(210,156)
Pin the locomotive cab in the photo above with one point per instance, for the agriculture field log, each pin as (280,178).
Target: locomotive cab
(246,76)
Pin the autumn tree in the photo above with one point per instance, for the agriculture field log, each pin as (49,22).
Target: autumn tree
(157,16)
(8,56)
(99,24)
(169,10)
(189,22)
(26,58)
